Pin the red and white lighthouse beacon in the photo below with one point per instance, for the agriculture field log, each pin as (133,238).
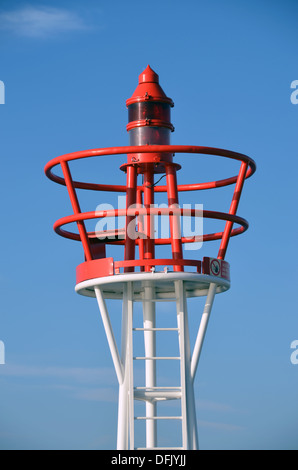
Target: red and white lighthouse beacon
(149,115)
(143,277)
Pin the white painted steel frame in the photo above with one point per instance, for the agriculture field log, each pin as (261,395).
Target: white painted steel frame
(189,426)
(149,316)
(124,364)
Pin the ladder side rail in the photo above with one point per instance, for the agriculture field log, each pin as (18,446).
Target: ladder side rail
(130,363)
(123,404)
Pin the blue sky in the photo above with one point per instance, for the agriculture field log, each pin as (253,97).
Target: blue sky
(68,68)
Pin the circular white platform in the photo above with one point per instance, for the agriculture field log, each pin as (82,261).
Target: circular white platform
(196,285)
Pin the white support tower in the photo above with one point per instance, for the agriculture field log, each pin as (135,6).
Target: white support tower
(149,289)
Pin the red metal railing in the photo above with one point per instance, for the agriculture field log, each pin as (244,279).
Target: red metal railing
(144,195)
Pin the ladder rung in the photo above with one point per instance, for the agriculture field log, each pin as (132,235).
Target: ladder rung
(159,448)
(155,329)
(158,394)
(158,417)
(138,358)
(157,388)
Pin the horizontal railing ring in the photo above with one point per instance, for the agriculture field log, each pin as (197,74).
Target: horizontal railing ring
(157,262)
(83,216)
(150,149)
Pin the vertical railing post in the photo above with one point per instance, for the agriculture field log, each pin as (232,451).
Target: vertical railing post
(131,188)
(233,209)
(175,227)
(76,209)
(140,226)
(149,250)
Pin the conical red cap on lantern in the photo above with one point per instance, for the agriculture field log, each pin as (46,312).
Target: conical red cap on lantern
(149,89)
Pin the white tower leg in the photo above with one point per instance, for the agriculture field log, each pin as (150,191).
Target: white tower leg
(150,365)
(189,423)
(123,403)
(202,329)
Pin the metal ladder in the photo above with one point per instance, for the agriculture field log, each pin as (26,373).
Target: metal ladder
(151,393)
